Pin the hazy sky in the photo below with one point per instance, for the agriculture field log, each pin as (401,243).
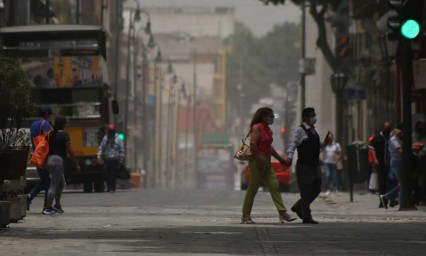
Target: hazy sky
(258,17)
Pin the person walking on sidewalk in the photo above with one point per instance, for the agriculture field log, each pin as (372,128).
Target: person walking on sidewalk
(395,152)
(39,126)
(260,165)
(307,142)
(59,149)
(380,154)
(111,154)
(331,156)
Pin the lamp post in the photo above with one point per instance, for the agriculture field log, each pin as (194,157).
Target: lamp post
(303,56)
(134,16)
(181,91)
(161,78)
(145,78)
(338,85)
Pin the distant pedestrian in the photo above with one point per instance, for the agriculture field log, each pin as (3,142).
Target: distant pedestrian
(395,151)
(372,168)
(111,154)
(59,149)
(307,142)
(260,165)
(38,127)
(380,154)
(331,156)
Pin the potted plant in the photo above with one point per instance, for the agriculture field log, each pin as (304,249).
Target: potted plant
(15,106)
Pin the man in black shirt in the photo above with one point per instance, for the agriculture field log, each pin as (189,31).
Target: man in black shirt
(380,148)
(307,142)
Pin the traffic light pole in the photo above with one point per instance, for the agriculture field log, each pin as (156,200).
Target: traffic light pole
(407,202)
(303,75)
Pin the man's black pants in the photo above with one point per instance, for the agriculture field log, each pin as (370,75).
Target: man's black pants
(309,181)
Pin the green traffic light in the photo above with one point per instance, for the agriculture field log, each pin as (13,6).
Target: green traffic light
(121,136)
(410,29)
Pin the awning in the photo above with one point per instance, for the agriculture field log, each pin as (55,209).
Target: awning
(35,41)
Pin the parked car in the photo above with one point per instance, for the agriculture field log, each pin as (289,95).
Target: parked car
(282,172)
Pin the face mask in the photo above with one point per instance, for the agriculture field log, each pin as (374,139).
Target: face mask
(313,120)
(271,120)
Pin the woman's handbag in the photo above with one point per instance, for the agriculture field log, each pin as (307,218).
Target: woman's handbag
(372,184)
(38,159)
(244,153)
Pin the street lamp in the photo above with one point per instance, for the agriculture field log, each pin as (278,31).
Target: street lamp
(159,120)
(142,100)
(338,82)
(134,17)
(180,91)
(338,85)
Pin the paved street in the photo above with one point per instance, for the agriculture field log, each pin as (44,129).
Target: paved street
(207,223)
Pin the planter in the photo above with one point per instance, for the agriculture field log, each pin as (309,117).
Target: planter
(23,204)
(15,209)
(13,163)
(4,213)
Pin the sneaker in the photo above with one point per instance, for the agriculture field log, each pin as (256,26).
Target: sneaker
(382,201)
(327,193)
(49,211)
(58,208)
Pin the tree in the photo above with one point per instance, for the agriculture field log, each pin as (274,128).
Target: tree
(318,10)
(255,63)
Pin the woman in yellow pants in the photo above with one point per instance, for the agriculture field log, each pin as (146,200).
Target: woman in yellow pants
(260,165)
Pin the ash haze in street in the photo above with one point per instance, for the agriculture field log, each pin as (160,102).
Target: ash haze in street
(254,14)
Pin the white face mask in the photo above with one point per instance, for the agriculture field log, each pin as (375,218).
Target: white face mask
(313,120)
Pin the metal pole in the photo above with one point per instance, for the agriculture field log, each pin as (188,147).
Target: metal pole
(102,12)
(126,103)
(178,176)
(160,129)
(116,53)
(135,103)
(77,12)
(188,101)
(407,202)
(194,117)
(47,11)
(145,139)
(168,146)
(303,55)
(154,131)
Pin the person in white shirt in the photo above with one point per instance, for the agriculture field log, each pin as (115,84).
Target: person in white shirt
(331,155)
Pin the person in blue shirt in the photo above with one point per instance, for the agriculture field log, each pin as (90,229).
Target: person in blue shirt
(41,125)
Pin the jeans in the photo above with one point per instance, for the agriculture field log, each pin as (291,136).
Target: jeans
(383,177)
(396,169)
(330,175)
(43,184)
(110,168)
